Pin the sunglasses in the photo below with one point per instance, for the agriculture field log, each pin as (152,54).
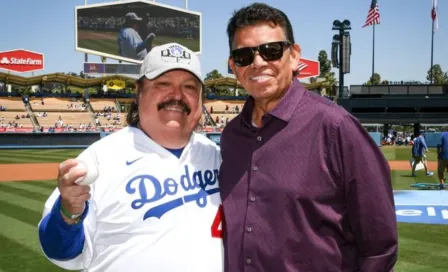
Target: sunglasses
(268,51)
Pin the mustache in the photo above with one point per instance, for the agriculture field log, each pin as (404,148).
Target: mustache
(174,102)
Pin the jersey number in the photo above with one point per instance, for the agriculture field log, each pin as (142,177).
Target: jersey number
(216,232)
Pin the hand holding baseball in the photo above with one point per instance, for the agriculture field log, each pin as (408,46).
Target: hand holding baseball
(151,36)
(73,195)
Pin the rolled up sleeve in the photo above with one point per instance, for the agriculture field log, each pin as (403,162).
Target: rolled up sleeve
(366,176)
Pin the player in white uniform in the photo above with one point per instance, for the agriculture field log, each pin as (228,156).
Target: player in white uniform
(155,205)
(130,44)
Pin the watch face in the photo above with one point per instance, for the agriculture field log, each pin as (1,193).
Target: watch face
(76,216)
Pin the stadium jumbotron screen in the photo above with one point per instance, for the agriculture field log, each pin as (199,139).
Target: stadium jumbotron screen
(128,31)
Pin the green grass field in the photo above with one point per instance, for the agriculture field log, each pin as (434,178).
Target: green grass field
(106,42)
(402,153)
(37,155)
(422,247)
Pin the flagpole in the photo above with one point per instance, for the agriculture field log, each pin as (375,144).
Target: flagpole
(373,53)
(432,53)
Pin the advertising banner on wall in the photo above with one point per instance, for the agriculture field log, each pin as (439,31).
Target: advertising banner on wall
(21,60)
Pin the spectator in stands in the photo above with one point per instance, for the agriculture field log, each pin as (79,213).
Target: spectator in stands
(442,158)
(303,185)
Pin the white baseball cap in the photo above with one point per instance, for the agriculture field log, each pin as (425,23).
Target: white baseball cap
(132,16)
(167,57)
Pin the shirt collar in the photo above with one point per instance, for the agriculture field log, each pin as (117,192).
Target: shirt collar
(283,110)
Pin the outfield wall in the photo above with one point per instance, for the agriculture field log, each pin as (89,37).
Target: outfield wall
(432,138)
(48,140)
(84,139)
(376,136)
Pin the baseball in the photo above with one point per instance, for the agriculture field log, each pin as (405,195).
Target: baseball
(90,177)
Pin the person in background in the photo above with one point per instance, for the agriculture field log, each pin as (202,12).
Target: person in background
(130,44)
(442,158)
(419,150)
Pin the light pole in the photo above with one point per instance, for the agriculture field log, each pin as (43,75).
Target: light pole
(342,42)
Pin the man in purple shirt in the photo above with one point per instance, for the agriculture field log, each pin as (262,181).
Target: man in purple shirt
(442,158)
(303,185)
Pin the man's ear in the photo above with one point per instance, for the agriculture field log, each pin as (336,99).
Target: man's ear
(232,65)
(295,54)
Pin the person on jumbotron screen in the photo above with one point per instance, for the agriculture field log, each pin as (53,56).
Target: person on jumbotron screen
(130,44)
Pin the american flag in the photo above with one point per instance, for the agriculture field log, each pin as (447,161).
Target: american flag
(434,13)
(373,17)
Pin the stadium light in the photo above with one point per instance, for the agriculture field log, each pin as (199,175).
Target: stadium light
(342,42)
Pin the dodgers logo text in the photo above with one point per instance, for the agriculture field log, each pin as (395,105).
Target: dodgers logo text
(188,181)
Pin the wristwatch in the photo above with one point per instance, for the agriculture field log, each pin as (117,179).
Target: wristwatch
(68,214)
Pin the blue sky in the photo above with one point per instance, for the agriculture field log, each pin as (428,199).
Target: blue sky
(403,39)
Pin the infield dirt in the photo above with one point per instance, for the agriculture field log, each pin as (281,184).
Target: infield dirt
(49,171)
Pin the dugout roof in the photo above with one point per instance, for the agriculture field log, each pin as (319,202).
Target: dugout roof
(99,81)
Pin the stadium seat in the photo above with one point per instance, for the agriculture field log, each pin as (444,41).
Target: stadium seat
(10,116)
(57,104)
(12,103)
(98,105)
(73,118)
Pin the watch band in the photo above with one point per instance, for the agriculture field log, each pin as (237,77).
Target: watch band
(68,214)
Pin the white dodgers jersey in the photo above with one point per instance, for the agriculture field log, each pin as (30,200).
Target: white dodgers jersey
(149,210)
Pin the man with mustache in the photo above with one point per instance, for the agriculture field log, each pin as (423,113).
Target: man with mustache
(155,205)
(304,187)
(171,104)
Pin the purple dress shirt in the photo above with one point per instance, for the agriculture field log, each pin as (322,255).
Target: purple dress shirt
(310,191)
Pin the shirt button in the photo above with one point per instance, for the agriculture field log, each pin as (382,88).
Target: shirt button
(255,168)
(248,261)
(252,199)
(249,229)
(259,138)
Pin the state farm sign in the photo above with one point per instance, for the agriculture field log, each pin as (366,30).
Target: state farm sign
(21,61)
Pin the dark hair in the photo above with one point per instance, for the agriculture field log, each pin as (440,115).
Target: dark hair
(132,118)
(259,13)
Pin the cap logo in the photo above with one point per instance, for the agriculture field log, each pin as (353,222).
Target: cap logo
(177,54)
